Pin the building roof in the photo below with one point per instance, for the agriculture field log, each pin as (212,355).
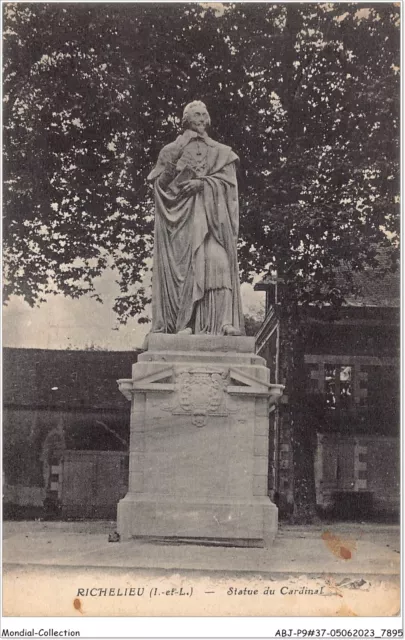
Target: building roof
(46,378)
(372,290)
(375,291)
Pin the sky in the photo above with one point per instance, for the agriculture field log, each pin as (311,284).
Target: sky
(62,323)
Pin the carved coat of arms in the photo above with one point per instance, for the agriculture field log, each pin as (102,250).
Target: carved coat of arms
(200,392)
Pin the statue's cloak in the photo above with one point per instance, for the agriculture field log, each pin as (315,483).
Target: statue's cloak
(183,225)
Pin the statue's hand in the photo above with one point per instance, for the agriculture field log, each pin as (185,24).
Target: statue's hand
(190,187)
(167,175)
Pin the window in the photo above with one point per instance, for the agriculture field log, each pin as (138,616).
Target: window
(338,386)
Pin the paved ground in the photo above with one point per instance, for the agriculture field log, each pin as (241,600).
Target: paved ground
(57,559)
(334,549)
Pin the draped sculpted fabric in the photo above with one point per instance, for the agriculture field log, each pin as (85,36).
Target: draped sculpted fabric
(195,283)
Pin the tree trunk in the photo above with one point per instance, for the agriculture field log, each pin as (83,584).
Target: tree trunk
(302,427)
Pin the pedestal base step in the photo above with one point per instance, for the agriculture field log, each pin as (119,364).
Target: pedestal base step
(201,542)
(224,523)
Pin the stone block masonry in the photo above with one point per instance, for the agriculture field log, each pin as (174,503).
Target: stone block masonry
(199,442)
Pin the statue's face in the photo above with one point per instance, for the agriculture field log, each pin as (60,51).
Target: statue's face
(198,118)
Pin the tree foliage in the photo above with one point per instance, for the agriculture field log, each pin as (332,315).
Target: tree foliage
(306,94)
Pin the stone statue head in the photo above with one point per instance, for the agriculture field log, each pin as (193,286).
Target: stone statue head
(196,116)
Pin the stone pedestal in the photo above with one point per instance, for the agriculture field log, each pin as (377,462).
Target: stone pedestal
(199,442)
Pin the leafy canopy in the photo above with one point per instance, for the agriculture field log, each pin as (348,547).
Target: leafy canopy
(306,94)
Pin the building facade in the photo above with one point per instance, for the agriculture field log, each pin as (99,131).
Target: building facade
(350,371)
(65,432)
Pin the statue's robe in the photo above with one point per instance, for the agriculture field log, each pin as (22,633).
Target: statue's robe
(195,280)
